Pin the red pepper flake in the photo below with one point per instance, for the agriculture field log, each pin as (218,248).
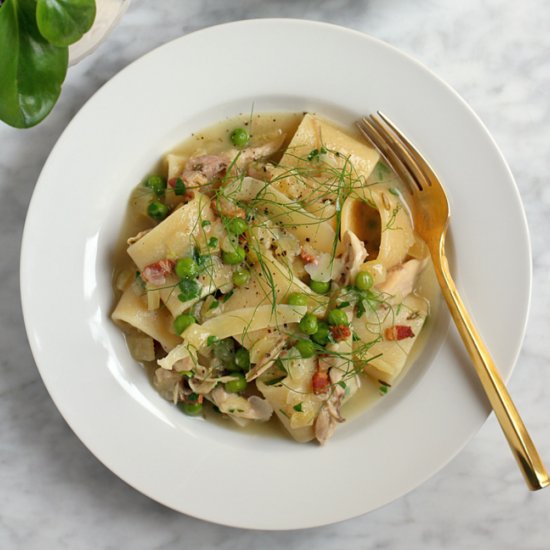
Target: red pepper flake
(340,332)
(155,274)
(398,332)
(172,182)
(320,382)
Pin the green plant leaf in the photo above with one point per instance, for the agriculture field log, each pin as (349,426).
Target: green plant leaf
(32,70)
(63,22)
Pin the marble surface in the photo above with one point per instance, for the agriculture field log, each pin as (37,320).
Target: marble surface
(55,494)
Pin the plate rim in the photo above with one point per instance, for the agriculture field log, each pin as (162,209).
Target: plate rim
(26,245)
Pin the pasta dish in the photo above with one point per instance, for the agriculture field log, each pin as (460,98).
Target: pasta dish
(272,271)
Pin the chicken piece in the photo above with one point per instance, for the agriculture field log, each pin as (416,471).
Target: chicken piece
(267,361)
(167,384)
(324,426)
(353,257)
(203,169)
(253,154)
(343,382)
(401,279)
(239,407)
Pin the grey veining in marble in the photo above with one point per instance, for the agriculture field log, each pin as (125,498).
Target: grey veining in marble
(55,494)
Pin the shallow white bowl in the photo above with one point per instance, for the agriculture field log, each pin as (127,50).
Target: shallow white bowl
(203,469)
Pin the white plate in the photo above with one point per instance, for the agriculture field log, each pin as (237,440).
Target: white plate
(76,212)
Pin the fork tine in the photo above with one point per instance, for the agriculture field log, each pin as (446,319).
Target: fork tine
(420,160)
(401,150)
(387,152)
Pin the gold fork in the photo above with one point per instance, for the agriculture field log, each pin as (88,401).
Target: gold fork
(431,216)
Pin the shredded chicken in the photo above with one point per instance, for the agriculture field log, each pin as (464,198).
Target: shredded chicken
(204,169)
(324,426)
(267,362)
(253,154)
(253,408)
(353,257)
(329,415)
(167,383)
(401,279)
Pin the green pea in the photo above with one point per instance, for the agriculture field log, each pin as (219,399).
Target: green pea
(236,226)
(241,277)
(224,350)
(242,359)
(157,184)
(239,137)
(187,268)
(234,257)
(297,299)
(190,408)
(320,287)
(236,386)
(363,280)
(305,348)
(179,187)
(190,289)
(321,337)
(183,321)
(309,324)
(337,317)
(157,211)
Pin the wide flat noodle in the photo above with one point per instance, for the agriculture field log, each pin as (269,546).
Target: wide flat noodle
(314,133)
(175,165)
(293,390)
(240,321)
(132,309)
(305,226)
(216,276)
(172,238)
(271,282)
(390,356)
(396,231)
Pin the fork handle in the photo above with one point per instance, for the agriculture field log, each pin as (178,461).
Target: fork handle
(512,425)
